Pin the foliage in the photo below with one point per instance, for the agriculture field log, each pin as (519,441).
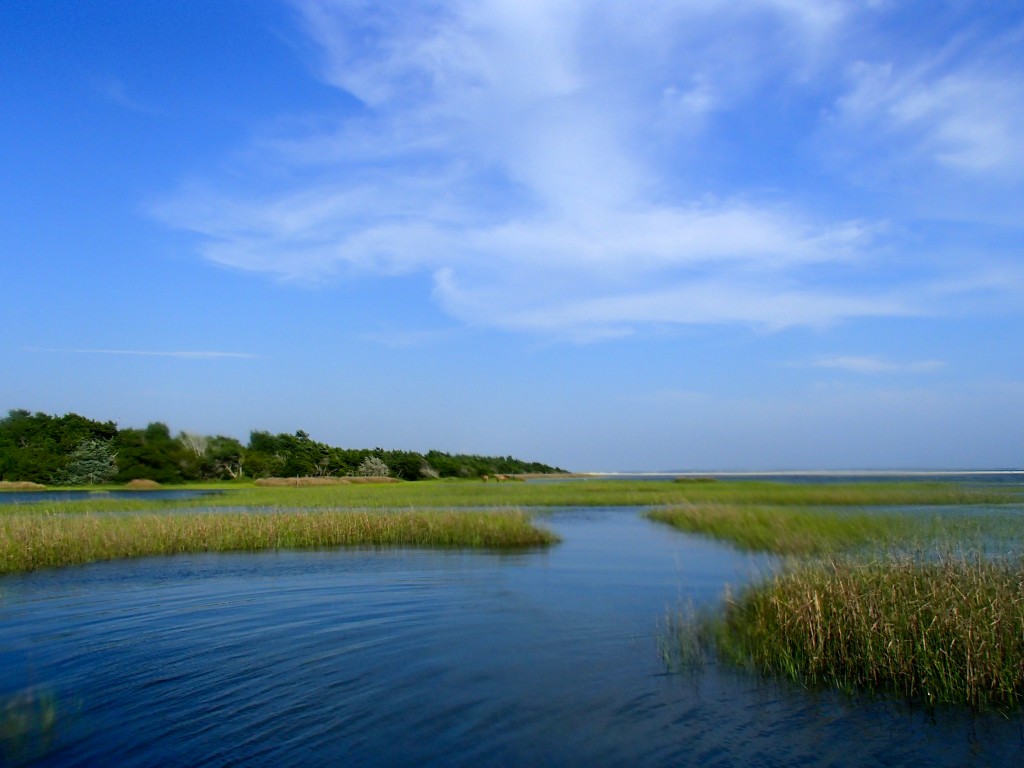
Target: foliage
(92,462)
(35,447)
(38,448)
(373,467)
(151,454)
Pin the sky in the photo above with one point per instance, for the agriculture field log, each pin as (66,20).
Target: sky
(660,236)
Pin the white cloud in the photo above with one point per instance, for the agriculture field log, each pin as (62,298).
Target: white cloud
(960,108)
(876,366)
(519,152)
(711,301)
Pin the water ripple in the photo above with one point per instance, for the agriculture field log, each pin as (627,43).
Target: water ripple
(386,657)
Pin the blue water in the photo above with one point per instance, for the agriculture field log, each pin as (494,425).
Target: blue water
(169,494)
(1009,479)
(402,657)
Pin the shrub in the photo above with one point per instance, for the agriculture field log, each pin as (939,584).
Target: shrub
(373,467)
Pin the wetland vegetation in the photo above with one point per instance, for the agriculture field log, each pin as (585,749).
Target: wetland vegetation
(945,630)
(908,587)
(556,493)
(926,605)
(32,541)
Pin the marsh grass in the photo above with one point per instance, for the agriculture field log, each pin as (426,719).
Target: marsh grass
(30,542)
(843,494)
(784,530)
(569,493)
(812,531)
(918,602)
(944,631)
(20,485)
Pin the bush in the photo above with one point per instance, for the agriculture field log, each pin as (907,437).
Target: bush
(373,467)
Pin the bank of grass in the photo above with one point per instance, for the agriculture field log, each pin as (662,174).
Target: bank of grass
(782,530)
(815,531)
(841,494)
(927,606)
(565,493)
(32,541)
(575,492)
(947,630)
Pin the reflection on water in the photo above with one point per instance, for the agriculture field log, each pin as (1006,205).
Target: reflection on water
(388,657)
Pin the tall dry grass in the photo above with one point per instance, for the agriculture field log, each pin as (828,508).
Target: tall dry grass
(20,485)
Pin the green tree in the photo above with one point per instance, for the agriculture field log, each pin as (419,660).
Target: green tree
(227,457)
(92,462)
(152,454)
(263,455)
(36,446)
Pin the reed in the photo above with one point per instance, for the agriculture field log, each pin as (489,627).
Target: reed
(812,531)
(919,602)
(944,631)
(448,494)
(842,494)
(30,542)
(20,485)
(786,530)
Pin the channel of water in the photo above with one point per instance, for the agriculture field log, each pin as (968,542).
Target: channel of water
(430,658)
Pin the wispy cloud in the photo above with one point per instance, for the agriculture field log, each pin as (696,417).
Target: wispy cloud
(969,121)
(957,106)
(548,163)
(188,355)
(878,366)
(115,91)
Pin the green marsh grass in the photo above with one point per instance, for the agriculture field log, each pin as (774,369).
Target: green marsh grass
(949,630)
(842,494)
(919,602)
(781,530)
(565,493)
(814,531)
(33,541)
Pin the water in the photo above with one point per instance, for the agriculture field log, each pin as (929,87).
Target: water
(1012,479)
(391,657)
(34,497)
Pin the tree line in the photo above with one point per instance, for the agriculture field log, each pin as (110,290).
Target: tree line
(75,450)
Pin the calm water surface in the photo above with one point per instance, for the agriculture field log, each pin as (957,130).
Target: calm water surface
(36,497)
(392,657)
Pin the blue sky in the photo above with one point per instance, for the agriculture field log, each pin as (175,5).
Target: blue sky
(679,234)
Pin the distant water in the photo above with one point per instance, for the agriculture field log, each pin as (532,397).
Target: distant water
(1007,477)
(389,657)
(167,494)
